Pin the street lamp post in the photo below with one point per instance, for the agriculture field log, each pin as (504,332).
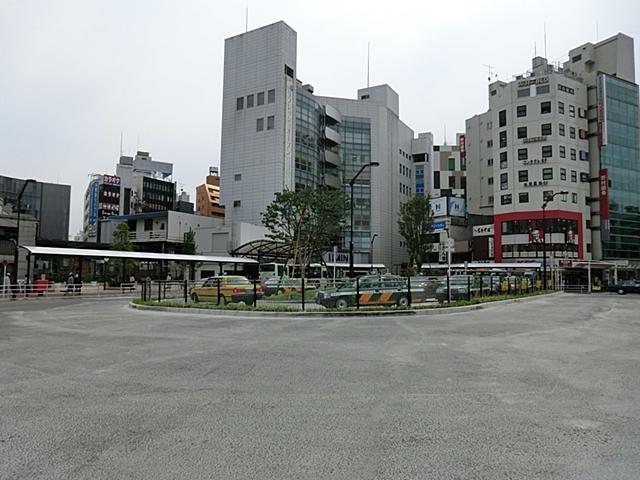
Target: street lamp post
(544,235)
(351,184)
(371,250)
(19,207)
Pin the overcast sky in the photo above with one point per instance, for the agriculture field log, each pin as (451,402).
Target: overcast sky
(76,73)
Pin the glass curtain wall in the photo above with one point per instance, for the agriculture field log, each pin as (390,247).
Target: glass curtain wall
(308,140)
(621,157)
(355,151)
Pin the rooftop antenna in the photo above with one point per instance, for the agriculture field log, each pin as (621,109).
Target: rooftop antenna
(545,40)
(445,134)
(490,70)
(368,61)
(246,19)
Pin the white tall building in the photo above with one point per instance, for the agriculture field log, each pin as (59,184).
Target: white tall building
(277,134)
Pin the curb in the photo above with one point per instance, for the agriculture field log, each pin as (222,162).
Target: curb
(351,313)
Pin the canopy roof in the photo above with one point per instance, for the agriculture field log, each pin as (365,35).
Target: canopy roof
(149,256)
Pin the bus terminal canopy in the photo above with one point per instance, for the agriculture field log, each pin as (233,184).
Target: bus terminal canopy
(145,256)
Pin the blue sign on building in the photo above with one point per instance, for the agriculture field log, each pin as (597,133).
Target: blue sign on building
(438,227)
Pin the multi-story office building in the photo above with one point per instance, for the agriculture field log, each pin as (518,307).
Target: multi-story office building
(208,196)
(572,128)
(607,68)
(141,185)
(49,203)
(277,134)
(101,200)
(422,154)
(449,169)
(531,144)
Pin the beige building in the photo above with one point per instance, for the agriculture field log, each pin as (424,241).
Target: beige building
(208,196)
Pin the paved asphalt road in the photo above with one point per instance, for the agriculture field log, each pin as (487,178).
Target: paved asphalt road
(543,389)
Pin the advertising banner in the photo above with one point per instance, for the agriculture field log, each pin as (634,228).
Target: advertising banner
(438,206)
(457,207)
(602,110)
(605,219)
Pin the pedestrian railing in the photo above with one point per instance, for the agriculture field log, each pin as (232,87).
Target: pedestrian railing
(46,289)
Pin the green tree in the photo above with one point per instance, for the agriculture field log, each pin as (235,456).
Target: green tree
(307,221)
(415,225)
(121,241)
(190,247)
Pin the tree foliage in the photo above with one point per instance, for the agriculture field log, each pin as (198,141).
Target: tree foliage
(415,224)
(307,221)
(121,241)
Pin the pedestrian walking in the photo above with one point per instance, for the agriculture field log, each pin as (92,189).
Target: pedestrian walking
(77,284)
(70,281)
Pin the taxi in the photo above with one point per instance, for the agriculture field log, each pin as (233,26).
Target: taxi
(373,290)
(233,289)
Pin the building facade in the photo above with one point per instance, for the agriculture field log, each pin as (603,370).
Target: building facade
(49,203)
(278,134)
(208,196)
(555,129)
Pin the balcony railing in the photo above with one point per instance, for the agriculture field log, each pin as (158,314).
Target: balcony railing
(154,236)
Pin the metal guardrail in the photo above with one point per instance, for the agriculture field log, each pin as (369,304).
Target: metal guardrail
(46,289)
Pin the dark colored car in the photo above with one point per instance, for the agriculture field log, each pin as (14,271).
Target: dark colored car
(374,290)
(624,287)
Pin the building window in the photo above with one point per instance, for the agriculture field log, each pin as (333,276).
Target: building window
(573,154)
(288,71)
(584,155)
(547,151)
(436,179)
(563,174)
(504,181)
(239,103)
(148,224)
(259,124)
(502,118)
(523,175)
(545,107)
(489,143)
(271,122)
(524,92)
(561,108)
(490,181)
(576,58)
(574,197)
(260,98)
(503,160)
(452,182)
(271,96)
(582,113)
(541,89)
(572,111)
(237,177)
(547,195)
(572,132)
(249,101)
(522,132)
(547,174)
(489,162)
(489,125)
(523,197)
(545,129)
(523,153)
(237,203)
(452,163)
(505,199)
(563,151)
(521,111)
(561,129)
(574,176)
(503,139)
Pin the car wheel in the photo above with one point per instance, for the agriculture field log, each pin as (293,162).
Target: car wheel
(280,291)
(342,303)
(403,302)
(194,297)
(621,291)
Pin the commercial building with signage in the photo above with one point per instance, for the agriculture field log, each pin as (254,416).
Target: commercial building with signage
(545,133)
(278,134)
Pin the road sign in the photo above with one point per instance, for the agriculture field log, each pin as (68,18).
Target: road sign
(450,242)
(5,263)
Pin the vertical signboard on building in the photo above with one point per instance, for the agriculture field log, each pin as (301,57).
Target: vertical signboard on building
(605,222)
(463,153)
(602,110)
(289,132)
